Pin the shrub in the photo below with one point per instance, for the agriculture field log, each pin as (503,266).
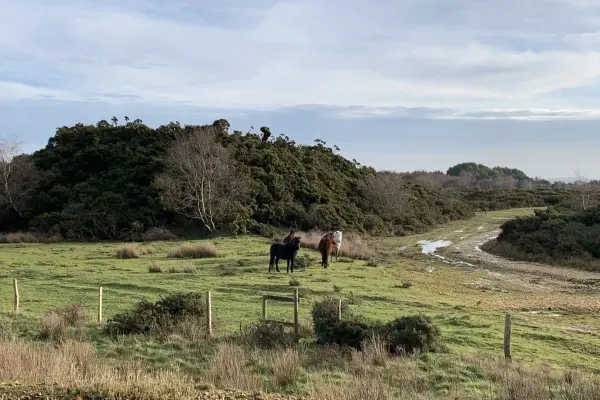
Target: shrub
(352,332)
(294,282)
(268,335)
(302,262)
(156,234)
(324,315)
(412,333)
(160,317)
(198,250)
(128,251)
(405,334)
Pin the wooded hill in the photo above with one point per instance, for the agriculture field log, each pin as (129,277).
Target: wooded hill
(116,181)
(556,235)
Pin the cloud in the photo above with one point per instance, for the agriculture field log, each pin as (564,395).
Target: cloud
(434,58)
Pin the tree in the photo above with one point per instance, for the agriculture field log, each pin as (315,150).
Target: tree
(585,193)
(200,180)
(18,175)
(386,194)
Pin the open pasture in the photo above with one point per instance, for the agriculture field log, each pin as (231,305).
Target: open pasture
(468,303)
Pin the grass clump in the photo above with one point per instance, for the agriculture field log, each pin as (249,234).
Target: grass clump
(128,251)
(57,324)
(154,268)
(198,250)
(162,317)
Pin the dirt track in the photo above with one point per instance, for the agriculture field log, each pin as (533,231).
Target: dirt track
(535,276)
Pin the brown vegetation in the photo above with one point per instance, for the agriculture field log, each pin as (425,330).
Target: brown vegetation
(352,245)
(197,250)
(128,251)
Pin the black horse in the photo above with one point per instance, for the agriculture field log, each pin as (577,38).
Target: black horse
(287,251)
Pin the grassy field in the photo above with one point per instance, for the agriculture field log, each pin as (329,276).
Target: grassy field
(401,280)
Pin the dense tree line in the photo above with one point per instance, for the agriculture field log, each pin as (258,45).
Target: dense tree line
(115,181)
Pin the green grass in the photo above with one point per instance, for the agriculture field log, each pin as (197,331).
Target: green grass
(471,319)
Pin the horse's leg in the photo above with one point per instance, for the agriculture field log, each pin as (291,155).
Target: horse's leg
(292,264)
(277,264)
(287,269)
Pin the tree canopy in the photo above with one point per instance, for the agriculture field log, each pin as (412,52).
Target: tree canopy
(114,181)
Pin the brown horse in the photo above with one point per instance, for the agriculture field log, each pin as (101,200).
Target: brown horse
(326,245)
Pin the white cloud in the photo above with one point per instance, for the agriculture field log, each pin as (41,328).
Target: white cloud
(470,58)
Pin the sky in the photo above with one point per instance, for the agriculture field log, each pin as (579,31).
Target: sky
(396,84)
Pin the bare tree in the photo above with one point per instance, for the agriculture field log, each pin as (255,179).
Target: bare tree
(200,180)
(18,175)
(386,194)
(585,192)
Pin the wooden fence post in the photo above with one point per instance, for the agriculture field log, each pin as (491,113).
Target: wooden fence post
(208,315)
(16,287)
(264,308)
(100,304)
(296,323)
(507,328)
(339,310)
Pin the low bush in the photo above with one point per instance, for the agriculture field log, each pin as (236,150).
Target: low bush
(156,234)
(161,317)
(406,334)
(268,335)
(413,333)
(198,250)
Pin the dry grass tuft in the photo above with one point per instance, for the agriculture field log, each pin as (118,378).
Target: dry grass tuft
(56,324)
(128,251)
(19,237)
(198,250)
(189,269)
(361,386)
(230,368)
(374,352)
(76,365)
(352,245)
(287,368)
(154,268)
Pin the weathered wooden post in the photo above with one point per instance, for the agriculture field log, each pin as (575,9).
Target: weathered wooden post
(296,322)
(208,315)
(507,329)
(264,308)
(16,288)
(100,304)
(339,310)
